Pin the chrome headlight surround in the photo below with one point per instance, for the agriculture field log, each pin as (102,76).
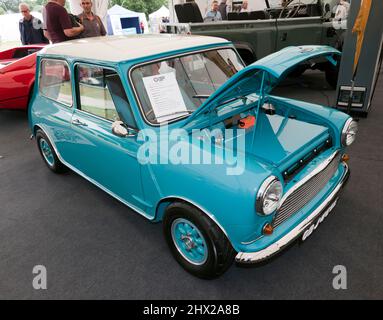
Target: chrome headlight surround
(269,196)
(349,132)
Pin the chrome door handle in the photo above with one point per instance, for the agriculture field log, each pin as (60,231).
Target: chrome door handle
(77,122)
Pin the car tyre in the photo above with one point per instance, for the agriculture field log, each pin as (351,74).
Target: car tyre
(48,153)
(196,242)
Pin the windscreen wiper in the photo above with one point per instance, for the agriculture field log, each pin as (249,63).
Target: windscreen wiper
(178,112)
(201,96)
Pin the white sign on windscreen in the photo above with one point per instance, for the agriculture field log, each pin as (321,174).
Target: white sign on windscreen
(165,96)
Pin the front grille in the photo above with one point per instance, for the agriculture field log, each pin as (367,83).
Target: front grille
(307,191)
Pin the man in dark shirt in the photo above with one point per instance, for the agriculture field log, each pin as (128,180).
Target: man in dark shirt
(223,7)
(58,25)
(31,31)
(93,26)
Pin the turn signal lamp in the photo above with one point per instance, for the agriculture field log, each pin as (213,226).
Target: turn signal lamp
(268,229)
(345,157)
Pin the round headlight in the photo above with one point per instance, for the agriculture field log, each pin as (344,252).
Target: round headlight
(349,132)
(269,196)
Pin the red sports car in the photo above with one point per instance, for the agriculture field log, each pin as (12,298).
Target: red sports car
(17,76)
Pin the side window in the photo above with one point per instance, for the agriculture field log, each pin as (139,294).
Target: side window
(55,81)
(101,93)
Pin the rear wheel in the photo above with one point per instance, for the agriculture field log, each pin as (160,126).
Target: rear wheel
(48,153)
(196,242)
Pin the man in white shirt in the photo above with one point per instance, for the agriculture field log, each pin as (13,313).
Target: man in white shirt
(342,10)
(245,6)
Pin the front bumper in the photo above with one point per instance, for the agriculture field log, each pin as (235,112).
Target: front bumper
(254,257)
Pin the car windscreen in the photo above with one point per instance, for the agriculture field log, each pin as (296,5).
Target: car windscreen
(174,88)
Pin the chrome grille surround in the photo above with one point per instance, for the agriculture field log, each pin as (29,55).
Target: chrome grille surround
(306,189)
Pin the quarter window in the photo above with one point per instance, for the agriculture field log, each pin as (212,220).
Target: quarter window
(55,81)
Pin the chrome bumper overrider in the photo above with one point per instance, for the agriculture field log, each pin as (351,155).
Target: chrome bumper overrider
(253,257)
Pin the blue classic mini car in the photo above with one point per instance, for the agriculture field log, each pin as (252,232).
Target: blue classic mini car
(179,130)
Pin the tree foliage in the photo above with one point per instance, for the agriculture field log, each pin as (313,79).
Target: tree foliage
(10,5)
(13,5)
(147,6)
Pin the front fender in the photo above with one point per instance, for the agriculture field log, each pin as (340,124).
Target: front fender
(229,200)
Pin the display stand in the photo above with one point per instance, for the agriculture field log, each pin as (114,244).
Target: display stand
(363,82)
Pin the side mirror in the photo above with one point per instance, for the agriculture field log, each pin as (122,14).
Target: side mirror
(121,130)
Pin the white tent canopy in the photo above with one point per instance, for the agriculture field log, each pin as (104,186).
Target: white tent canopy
(155,18)
(9,25)
(119,12)
(161,12)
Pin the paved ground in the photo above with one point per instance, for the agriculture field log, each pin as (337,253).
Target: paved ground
(95,247)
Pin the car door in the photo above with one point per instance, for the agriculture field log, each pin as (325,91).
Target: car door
(55,102)
(108,160)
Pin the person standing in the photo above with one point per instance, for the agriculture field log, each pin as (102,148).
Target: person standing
(31,31)
(224,9)
(93,26)
(342,10)
(58,24)
(213,14)
(245,6)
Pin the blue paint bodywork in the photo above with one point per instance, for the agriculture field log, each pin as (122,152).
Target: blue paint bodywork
(280,140)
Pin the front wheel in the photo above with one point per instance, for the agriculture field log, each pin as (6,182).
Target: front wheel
(196,242)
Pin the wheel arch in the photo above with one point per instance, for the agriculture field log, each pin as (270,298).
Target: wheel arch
(35,128)
(165,202)
(246,52)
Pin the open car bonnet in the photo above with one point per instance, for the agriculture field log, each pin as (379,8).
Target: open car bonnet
(263,75)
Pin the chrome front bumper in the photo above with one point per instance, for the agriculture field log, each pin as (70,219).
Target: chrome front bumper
(254,257)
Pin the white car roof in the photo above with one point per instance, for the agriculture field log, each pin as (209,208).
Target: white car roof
(123,48)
